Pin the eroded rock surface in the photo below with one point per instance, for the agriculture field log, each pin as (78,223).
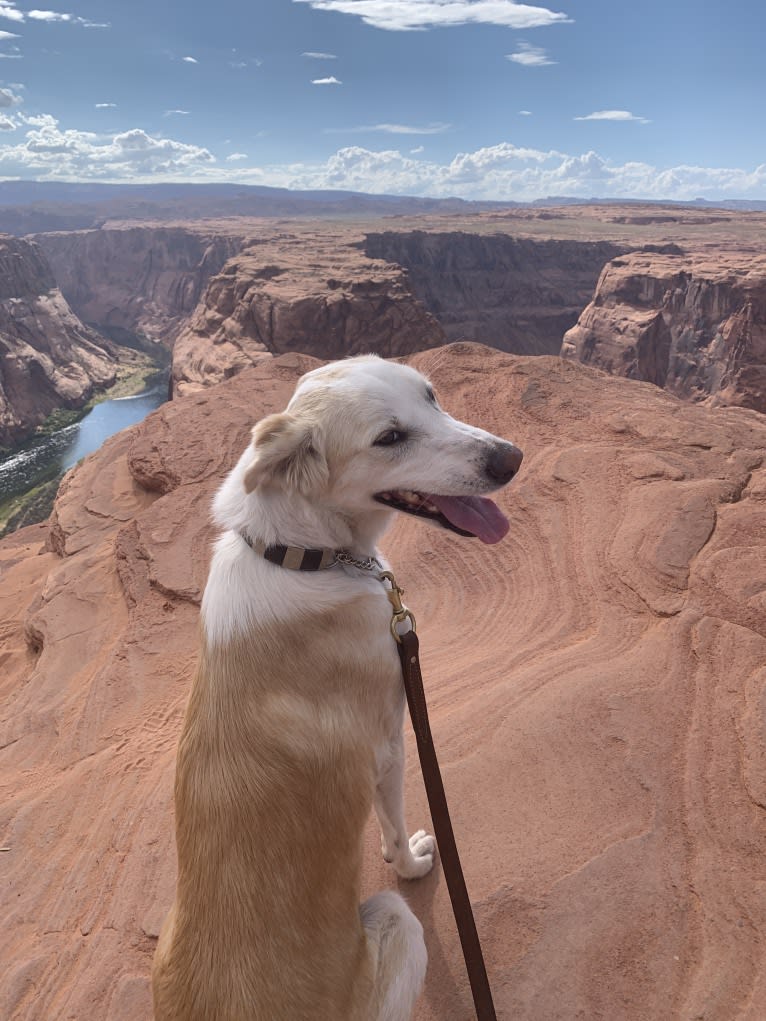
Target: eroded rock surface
(296,292)
(516,294)
(694,323)
(144,279)
(596,684)
(48,358)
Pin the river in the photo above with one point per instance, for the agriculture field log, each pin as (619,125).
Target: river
(49,456)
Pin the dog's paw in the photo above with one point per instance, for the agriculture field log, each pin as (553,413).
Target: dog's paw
(418,859)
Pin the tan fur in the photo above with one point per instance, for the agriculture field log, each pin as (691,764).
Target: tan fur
(294,727)
(269,758)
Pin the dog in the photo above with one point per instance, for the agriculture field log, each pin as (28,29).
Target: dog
(294,724)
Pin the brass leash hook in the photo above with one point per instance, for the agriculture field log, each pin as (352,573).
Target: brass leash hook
(401,613)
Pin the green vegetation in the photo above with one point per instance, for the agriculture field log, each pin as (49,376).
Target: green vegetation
(28,508)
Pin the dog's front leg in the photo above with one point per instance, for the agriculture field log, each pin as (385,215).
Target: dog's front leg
(411,857)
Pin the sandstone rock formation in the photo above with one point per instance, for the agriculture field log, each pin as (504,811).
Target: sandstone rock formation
(312,292)
(48,358)
(694,323)
(144,279)
(596,684)
(517,294)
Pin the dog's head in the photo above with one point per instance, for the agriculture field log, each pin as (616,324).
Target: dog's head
(364,435)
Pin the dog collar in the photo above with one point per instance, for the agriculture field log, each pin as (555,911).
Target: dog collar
(298,558)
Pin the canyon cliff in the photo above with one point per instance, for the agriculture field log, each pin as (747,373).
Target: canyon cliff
(692,322)
(143,279)
(596,685)
(48,358)
(517,294)
(312,292)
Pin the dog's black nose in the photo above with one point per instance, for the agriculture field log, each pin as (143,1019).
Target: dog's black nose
(503,462)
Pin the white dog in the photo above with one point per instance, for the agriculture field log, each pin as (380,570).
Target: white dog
(294,725)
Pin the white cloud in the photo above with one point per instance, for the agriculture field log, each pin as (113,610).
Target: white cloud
(319,56)
(172,113)
(190,60)
(417,150)
(332,80)
(613,115)
(8,10)
(7,123)
(503,172)
(409,15)
(529,56)
(525,113)
(8,35)
(48,151)
(48,16)
(9,99)
(105,106)
(236,156)
(393,129)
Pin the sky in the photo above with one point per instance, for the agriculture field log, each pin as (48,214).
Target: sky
(479,99)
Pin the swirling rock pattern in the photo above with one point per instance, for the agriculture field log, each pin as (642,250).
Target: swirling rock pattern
(596,684)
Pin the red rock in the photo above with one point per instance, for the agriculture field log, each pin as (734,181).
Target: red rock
(48,358)
(694,323)
(596,687)
(313,292)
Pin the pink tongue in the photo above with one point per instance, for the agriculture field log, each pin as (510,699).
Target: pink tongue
(474,514)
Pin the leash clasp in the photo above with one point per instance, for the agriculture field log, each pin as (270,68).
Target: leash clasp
(401,614)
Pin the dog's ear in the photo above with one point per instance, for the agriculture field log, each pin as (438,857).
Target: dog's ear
(287,452)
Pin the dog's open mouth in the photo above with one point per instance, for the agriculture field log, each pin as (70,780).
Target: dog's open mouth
(466,515)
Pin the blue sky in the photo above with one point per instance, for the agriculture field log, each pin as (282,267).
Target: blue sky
(475,98)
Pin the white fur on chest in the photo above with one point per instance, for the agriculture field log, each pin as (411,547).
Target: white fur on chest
(244,591)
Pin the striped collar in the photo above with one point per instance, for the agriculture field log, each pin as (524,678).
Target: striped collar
(297,558)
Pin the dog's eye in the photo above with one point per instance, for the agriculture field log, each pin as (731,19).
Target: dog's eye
(390,437)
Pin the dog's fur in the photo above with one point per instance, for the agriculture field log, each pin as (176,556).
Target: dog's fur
(294,725)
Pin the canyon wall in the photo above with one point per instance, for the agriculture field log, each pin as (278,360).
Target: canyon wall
(515,294)
(315,293)
(692,322)
(596,686)
(48,358)
(144,279)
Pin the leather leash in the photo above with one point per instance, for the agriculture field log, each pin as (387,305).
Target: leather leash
(297,558)
(408,646)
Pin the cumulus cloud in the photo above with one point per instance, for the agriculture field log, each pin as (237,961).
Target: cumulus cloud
(48,150)
(174,113)
(190,60)
(319,56)
(529,56)
(525,113)
(105,106)
(613,115)
(409,15)
(332,80)
(8,10)
(235,156)
(506,172)
(8,35)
